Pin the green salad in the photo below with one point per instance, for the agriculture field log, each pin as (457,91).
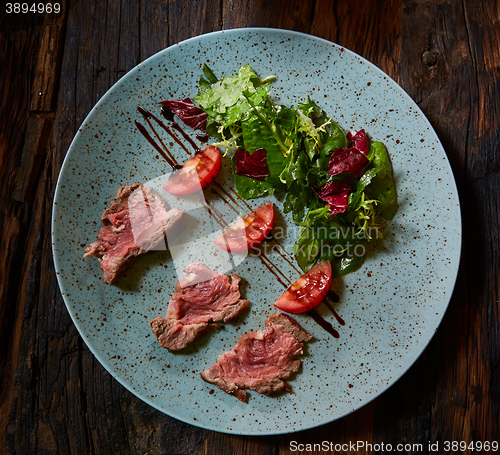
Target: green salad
(338,187)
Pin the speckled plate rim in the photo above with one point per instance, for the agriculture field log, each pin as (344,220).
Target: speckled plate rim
(104,362)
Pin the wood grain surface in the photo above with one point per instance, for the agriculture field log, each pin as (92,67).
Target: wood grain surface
(54,395)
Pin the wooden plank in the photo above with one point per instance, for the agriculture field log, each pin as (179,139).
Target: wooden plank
(481,227)
(64,401)
(33,154)
(186,22)
(286,14)
(154,25)
(436,70)
(15,56)
(351,434)
(324,21)
(47,61)
(228,444)
(373,31)
(420,401)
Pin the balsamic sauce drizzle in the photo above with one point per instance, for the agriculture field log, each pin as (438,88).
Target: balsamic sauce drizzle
(284,256)
(145,133)
(167,113)
(225,201)
(283,279)
(324,323)
(229,195)
(202,137)
(337,316)
(241,199)
(149,115)
(218,217)
(270,265)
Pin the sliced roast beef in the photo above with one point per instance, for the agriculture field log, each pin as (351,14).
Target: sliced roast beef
(135,223)
(261,360)
(201,300)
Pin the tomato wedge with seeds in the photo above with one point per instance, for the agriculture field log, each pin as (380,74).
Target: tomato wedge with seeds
(248,231)
(308,291)
(196,173)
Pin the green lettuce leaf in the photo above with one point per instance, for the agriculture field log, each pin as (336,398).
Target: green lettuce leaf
(256,134)
(382,186)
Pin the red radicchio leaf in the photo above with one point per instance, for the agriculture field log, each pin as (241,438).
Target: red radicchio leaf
(254,165)
(188,112)
(348,161)
(352,162)
(336,195)
(357,139)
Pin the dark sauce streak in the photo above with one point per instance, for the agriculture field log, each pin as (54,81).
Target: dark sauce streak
(276,247)
(240,198)
(221,188)
(145,133)
(215,214)
(284,256)
(323,323)
(167,113)
(202,137)
(337,316)
(147,115)
(333,296)
(186,137)
(269,265)
(144,112)
(225,201)
(161,142)
(286,253)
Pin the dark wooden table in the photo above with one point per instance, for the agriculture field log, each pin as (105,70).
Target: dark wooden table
(56,398)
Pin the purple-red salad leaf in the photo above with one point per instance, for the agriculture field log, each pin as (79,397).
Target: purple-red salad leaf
(348,161)
(357,139)
(254,165)
(336,195)
(188,112)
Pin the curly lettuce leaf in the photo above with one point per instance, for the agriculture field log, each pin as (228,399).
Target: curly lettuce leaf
(229,100)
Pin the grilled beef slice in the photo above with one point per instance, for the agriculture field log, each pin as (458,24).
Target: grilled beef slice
(261,360)
(135,223)
(201,300)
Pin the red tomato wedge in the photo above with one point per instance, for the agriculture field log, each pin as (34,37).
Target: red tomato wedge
(248,231)
(196,173)
(308,291)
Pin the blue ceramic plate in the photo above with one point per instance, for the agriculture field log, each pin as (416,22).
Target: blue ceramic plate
(391,307)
